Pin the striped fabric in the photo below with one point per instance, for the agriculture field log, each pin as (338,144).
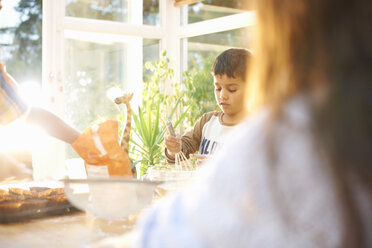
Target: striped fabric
(11,104)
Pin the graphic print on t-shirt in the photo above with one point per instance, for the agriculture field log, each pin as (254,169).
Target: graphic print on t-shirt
(208,146)
(213,135)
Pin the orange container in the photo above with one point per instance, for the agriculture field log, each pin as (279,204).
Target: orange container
(100,149)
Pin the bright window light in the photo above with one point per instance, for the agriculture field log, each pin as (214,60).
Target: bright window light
(31,93)
(113,93)
(20,136)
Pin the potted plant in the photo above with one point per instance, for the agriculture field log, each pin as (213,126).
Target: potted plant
(146,143)
(148,135)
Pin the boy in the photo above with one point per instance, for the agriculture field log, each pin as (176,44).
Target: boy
(229,75)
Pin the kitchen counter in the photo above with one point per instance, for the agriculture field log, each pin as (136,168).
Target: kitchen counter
(78,229)
(74,230)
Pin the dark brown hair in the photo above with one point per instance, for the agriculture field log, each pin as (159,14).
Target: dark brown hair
(307,46)
(232,63)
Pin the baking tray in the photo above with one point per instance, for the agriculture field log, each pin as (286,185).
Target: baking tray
(20,204)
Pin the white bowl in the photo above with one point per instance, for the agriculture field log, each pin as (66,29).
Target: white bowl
(110,198)
(174,177)
(169,173)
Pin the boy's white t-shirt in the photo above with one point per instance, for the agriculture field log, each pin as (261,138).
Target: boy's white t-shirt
(207,135)
(213,135)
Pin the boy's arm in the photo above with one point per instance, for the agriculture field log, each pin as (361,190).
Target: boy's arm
(53,125)
(191,140)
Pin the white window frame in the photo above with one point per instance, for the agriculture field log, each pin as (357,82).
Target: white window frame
(170,33)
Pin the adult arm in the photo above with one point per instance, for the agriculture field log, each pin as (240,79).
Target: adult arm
(52,124)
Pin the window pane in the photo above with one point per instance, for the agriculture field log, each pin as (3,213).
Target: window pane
(210,9)
(126,11)
(151,12)
(93,70)
(203,49)
(20,52)
(151,50)
(20,39)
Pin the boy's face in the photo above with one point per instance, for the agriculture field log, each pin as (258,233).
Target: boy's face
(229,93)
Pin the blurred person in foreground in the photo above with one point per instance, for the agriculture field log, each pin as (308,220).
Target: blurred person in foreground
(299,174)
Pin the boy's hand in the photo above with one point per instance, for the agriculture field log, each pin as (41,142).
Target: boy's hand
(200,158)
(173,144)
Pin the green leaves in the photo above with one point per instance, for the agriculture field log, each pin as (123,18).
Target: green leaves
(181,106)
(147,138)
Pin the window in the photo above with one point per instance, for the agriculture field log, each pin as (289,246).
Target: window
(94,69)
(204,49)
(20,39)
(20,51)
(115,10)
(211,9)
(93,47)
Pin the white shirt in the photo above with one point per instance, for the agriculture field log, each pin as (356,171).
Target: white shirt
(213,135)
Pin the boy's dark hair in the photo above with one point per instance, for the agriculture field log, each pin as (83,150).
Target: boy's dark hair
(232,62)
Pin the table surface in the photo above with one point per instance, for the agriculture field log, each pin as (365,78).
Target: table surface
(74,230)
(78,229)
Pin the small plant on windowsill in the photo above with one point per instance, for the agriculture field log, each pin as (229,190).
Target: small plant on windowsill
(147,136)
